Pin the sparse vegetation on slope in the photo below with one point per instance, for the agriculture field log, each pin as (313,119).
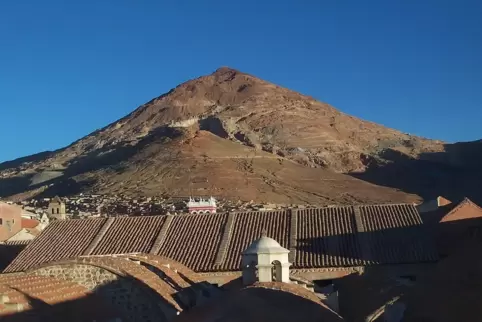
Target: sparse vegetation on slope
(250,138)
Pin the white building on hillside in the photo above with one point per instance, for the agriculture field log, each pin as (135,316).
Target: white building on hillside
(201,206)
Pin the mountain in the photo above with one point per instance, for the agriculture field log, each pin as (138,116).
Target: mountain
(454,173)
(227,134)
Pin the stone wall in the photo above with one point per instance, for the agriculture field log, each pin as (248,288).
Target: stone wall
(127,295)
(85,275)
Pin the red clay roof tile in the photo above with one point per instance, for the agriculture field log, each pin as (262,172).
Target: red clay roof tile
(194,240)
(29,223)
(129,235)
(61,239)
(395,234)
(75,299)
(326,237)
(249,226)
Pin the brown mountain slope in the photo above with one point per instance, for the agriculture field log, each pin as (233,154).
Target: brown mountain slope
(202,163)
(223,168)
(240,122)
(454,173)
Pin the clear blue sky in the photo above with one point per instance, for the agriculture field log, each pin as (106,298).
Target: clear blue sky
(70,67)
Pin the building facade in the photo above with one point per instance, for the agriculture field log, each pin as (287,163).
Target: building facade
(10,221)
(57,209)
(201,206)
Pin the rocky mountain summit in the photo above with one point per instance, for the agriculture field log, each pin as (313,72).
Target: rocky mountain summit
(229,134)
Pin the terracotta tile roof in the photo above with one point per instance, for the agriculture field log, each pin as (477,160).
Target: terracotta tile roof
(47,289)
(379,217)
(17,242)
(182,269)
(327,237)
(249,226)
(130,234)
(263,302)
(163,267)
(194,240)
(395,234)
(441,201)
(290,288)
(464,210)
(184,288)
(29,223)
(59,300)
(61,239)
(124,267)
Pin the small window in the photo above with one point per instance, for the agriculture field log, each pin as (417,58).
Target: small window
(13,221)
(53,211)
(1,221)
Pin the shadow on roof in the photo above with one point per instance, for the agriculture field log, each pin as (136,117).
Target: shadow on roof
(258,304)
(87,308)
(412,244)
(8,252)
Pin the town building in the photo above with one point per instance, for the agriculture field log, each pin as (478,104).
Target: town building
(44,221)
(29,215)
(361,263)
(265,260)
(201,206)
(15,227)
(453,223)
(56,209)
(10,221)
(324,243)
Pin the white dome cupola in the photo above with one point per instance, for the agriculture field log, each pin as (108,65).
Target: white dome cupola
(265,260)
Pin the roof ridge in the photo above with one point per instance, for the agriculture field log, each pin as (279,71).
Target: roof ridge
(261,211)
(387,204)
(102,231)
(187,214)
(472,203)
(89,218)
(161,235)
(465,201)
(293,235)
(225,239)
